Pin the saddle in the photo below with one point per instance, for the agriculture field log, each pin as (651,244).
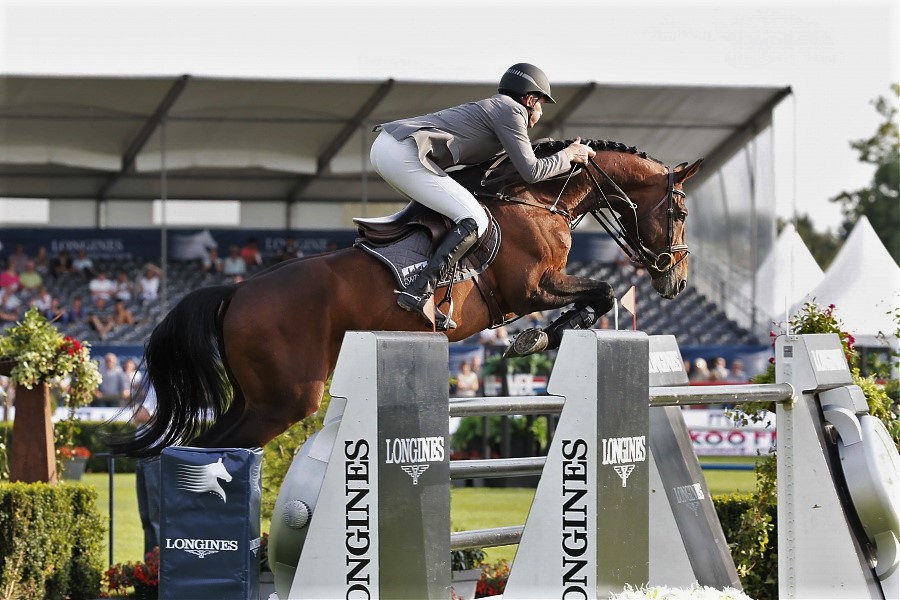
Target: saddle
(406,240)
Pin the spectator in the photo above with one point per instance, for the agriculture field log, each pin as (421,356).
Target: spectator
(602,322)
(83,264)
(30,281)
(719,372)
(102,286)
(250,254)
(212,263)
(101,318)
(147,479)
(113,389)
(10,304)
(18,258)
(701,371)
(148,285)
(62,264)
(466,380)
(121,314)
(290,250)
(42,299)
(42,262)
(494,337)
(124,287)
(56,312)
(9,277)
(77,312)
(133,376)
(737,371)
(233,263)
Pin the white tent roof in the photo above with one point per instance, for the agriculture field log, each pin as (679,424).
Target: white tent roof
(785,276)
(863,283)
(296,140)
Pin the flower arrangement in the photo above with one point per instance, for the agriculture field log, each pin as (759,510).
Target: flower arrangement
(70,452)
(493,579)
(142,576)
(41,354)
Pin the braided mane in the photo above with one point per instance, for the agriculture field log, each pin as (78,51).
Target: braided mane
(553,146)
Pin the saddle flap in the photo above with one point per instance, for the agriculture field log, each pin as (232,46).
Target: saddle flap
(383,230)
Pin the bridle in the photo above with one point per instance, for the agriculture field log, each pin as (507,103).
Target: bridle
(633,245)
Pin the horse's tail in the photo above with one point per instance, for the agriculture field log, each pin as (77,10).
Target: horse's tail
(186,371)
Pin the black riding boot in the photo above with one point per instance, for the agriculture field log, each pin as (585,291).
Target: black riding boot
(454,245)
(535,340)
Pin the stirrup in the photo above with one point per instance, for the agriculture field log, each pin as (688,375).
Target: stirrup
(529,341)
(416,304)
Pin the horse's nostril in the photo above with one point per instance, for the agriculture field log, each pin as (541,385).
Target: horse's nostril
(681,285)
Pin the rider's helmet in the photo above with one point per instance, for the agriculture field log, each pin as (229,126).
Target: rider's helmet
(523,78)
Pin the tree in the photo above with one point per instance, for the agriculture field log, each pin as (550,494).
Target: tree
(880,201)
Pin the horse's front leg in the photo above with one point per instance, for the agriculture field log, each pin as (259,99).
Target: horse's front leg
(591,299)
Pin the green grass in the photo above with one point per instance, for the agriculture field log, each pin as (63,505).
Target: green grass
(471,508)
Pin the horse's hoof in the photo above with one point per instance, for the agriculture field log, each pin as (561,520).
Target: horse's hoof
(528,342)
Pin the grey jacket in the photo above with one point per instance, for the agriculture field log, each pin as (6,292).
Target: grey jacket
(474,132)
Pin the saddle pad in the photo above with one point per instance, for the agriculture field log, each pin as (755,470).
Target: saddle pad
(410,254)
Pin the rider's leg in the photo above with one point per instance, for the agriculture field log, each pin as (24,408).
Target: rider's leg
(452,248)
(399,164)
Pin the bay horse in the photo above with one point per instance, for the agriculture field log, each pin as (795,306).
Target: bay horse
(235,365)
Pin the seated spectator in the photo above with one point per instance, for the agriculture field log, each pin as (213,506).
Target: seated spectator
(83,264)
(719,372)
(56,312)
(30,281)
(62,264)
(290,250)
(18,258)
(494,337)
(133,376)
(737,371)
(602,322)
(212,263)
(250,254)
(42,261)
(700,371)
(113,390)
(10,305)
(42,299)
(124,287)
(233,263)
(148,284)
(102,286)
(9,277)
(77,312)
(101,318)
(121,314)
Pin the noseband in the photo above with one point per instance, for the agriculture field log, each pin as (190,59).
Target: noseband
(633,245)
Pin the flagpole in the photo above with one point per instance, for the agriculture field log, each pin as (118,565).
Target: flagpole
(616,312)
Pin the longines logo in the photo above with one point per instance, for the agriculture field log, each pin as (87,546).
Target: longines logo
(412,453)
(668,361)
(201,548)
(622,453)
(203,478)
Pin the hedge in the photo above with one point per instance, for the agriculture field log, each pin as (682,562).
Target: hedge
(51,541)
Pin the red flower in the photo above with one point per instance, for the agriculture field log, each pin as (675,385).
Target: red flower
(74,452)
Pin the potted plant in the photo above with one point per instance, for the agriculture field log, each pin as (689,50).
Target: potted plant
(73,460)
(466,566)
(37,356)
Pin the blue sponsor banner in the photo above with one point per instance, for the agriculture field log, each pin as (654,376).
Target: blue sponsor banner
(210,523)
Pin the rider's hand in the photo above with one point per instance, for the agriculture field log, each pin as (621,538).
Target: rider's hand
(579,153)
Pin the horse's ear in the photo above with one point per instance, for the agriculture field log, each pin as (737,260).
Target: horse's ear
(683,172)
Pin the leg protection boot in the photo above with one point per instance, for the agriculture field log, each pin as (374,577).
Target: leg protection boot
(453,246)
(535,340)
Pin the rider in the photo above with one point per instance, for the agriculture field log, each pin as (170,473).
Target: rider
(411,155)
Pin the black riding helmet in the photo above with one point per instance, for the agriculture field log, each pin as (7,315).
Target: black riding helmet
(524,78)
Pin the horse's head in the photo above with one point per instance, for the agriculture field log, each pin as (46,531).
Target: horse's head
(648,219)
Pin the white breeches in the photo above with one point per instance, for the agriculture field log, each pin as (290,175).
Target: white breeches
(398,164)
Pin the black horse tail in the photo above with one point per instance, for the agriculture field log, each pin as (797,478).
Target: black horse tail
(185,368)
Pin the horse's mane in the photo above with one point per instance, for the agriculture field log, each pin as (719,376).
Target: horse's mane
(553,146)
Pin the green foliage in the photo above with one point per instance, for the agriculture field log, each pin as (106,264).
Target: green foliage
(880,201)
(51,540)
(463,560)
(279,453)
(466,441)
(534,364)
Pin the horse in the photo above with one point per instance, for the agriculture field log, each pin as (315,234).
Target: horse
(235,365)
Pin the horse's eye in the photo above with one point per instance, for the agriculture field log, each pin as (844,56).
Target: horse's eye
(681,215)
